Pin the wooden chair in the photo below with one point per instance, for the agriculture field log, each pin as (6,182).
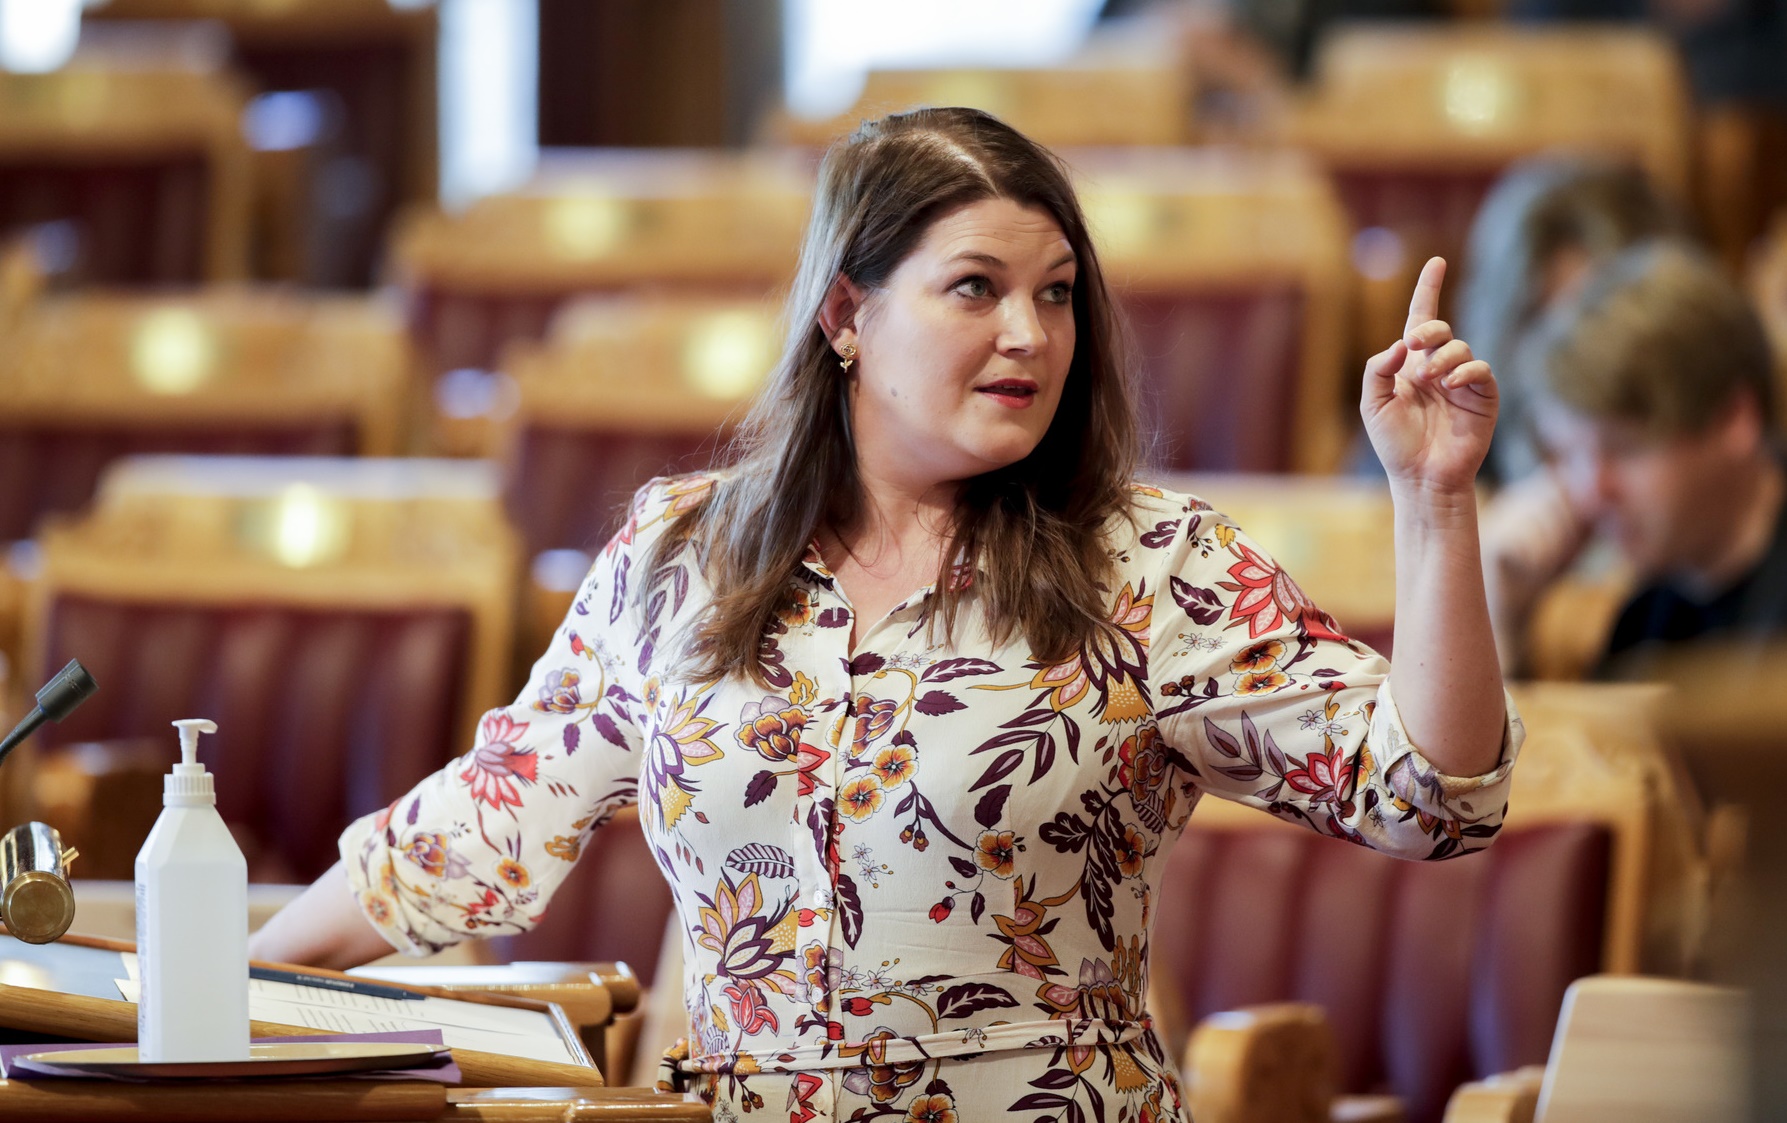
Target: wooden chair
(1232,267)
(602,222)
(376,63)
(148,163)
(1416,121)
(87,378)
(1131,88)
(624,389)
(1599,869)
(345,622)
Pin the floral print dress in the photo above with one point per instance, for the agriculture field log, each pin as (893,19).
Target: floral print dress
(917,879)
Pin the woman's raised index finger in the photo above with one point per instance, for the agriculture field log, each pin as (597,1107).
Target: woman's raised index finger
(1425,304)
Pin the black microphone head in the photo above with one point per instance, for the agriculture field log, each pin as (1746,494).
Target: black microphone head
(71,686)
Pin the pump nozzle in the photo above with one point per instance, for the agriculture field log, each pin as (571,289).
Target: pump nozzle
(190,728)
(187,783)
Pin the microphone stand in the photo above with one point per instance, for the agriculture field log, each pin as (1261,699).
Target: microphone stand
(36,901)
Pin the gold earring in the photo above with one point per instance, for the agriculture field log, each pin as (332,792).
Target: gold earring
(848,356)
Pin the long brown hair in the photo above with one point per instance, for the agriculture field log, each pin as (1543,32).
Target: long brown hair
(1035,528)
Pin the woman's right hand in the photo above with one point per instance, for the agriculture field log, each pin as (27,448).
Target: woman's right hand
(1530,535)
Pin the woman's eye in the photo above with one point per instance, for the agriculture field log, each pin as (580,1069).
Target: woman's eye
(1061,293)
(975,287)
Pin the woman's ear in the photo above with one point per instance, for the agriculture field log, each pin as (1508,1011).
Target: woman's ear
(840,310)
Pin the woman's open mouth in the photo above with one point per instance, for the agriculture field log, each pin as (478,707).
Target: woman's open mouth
(1014,393)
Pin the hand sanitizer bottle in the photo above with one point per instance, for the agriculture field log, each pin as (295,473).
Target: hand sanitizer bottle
(192,922)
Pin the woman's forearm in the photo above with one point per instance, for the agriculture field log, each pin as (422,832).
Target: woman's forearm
(1448,678)
(322,927)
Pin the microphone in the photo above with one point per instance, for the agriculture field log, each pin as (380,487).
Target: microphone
(58,698)
(36,901)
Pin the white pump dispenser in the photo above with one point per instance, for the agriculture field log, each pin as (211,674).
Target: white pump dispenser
(192,922)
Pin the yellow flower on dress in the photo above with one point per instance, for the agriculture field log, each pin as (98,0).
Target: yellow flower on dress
(803,691)
(861,797)
(1262,656)
(932,1109)
(513,874)
(996,852)
(895,765)
(565,847)
(1264,683)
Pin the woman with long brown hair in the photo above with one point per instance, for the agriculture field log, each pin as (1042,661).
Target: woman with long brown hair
(916,694)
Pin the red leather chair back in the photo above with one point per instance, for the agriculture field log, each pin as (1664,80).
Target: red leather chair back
(1219,372)
(323,714)
(1432,973)
(55,469)
(137,222)
(570,488)
(613,908)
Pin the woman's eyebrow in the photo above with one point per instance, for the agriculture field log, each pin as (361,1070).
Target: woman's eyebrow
(999,263)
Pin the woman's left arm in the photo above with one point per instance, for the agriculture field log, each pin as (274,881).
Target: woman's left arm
(1429,409)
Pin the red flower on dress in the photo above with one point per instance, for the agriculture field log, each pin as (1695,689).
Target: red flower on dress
(1324,776)
(497,763)
(748,1009)
(1270,599)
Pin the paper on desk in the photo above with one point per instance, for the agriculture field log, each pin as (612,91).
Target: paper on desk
(463,1025)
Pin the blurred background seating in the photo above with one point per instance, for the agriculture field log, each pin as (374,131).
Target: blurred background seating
(342,122)
(1231,268)
(698,223)
(87,377)
(345,622)
(136,156)
(1416,121)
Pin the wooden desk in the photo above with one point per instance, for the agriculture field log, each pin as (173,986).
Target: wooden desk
(93,1101)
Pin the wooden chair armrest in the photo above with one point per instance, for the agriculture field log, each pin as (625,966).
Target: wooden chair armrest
(1506,1097)
(1261,1064)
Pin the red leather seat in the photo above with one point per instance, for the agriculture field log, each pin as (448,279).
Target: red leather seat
(1218,373)
(1431,973)
(323,714)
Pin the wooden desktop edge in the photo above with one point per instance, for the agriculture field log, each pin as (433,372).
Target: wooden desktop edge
(103,1019)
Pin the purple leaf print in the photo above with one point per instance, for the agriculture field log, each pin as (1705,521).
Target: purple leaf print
(1222,742)
(991,806)
(762,859)
(573,735)
(849,909)
(905,737)
(938,702)
(966,998)
(610,732)
(1001,767)
(963,866)
(619,603)
(865,664)
(976,907)
(958,668)
(760,787)
(415,810)
(1161,535)
(1202,605)
(833,618)
(1066,833)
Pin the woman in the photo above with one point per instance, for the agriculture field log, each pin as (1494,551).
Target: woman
(915,697)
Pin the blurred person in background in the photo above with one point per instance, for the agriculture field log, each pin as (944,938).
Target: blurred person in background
(1653,405)
(1544,226)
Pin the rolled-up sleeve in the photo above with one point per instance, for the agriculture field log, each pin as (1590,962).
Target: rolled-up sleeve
(479,847)
(1265,700)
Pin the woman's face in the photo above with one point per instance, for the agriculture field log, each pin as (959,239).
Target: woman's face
(963,353)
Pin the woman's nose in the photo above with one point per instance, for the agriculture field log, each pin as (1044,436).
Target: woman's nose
(1022,330)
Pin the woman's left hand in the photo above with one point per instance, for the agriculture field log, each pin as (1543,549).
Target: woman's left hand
(1429,406)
